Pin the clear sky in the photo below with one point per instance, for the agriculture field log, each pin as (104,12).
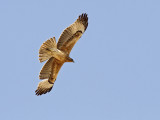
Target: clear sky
(116,74)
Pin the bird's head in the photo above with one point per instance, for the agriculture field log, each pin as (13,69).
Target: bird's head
(72,60)
(69,59)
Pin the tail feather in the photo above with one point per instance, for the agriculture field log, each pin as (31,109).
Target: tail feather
(44,51)
(44,87)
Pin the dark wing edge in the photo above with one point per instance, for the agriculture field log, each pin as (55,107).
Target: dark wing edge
(44,87)
(83,19)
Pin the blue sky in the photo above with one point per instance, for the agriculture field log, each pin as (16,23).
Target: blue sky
(116,74)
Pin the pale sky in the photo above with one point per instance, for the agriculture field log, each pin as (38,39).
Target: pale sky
(116,74)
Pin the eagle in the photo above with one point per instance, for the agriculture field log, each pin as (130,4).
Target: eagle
(58,53)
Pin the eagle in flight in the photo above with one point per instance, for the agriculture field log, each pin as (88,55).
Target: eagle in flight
(58,54)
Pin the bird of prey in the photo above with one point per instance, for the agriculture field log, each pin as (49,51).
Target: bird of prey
(58,54)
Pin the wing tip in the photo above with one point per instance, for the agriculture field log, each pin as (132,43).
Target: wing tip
(44,87)
(42,91)
(84,19)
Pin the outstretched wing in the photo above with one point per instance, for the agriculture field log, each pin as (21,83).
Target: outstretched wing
(49,73)
(46,69)
(56,66)
(72,34)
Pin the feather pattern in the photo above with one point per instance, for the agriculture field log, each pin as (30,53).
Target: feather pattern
(44,51)
(58,54)
(46,69)
(49,72)
(70,33)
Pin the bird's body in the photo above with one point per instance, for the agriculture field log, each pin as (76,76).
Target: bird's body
(58,54)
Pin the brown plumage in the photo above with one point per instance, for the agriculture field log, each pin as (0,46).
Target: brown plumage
(58,54)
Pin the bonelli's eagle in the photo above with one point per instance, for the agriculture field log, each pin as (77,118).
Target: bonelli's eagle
(58,54)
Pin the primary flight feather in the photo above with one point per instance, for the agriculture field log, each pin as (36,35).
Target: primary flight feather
(58,54)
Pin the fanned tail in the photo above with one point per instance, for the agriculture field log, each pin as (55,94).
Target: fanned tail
(45,49)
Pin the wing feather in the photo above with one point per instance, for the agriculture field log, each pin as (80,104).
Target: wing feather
(55,70)
(46,69)
(49,73)
(72,33)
